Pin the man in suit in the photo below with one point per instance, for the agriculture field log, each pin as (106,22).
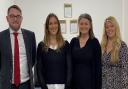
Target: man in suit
(17,53)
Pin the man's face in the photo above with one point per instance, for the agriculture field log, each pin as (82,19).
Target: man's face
(14,19)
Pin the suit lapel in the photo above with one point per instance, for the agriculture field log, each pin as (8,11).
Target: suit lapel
(8,40)
(9,52)
(26,42)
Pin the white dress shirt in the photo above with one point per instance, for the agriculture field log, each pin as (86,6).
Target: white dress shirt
(55,86)
(24,72)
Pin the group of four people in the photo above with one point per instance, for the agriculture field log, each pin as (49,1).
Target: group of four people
(82,64)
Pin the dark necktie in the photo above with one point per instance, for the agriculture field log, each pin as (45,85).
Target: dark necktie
(16,60)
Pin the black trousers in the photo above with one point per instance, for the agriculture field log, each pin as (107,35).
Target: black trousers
(25,85)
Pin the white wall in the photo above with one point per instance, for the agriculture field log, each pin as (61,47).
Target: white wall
(4,4)
(36,11)
(125,20)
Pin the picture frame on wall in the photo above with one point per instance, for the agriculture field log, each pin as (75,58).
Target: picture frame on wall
(73,26)
(63,26)
(67,10)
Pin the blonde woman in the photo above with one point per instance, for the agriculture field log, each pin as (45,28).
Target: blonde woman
(53,57)
(114,57)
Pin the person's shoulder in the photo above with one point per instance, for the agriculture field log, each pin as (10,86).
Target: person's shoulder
(123,49)
(94,39)
(27,31)
(74,39)
(95,42)
(66,42)
(123,44)
(41,43)
(4,31)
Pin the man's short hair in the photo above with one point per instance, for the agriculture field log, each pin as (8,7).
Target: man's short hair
(16,7)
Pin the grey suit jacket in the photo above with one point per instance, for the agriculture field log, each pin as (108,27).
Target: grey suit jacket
(6,66)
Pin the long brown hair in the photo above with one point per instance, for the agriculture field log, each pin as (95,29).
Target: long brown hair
(59,37)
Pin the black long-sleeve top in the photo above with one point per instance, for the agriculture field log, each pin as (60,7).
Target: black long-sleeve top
(54,67)
(86,64)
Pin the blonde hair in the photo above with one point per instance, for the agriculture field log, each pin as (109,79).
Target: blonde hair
(59,37)
(116,40)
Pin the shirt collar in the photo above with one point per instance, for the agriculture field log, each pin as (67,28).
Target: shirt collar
(12,31)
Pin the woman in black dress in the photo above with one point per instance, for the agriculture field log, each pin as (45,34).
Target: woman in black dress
(53,57)
(86,56)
